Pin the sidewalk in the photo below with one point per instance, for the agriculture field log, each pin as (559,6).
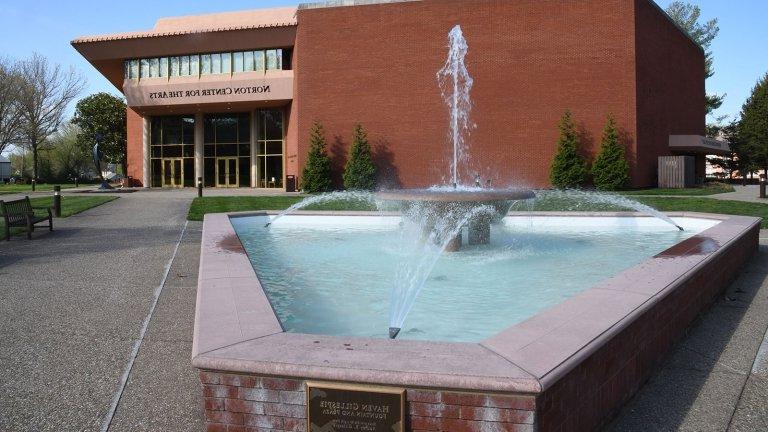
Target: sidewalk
(716,378)
(73,304)
(749,193)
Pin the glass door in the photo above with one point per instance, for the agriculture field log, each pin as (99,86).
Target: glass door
(227,173)
(270,149)
(173,173)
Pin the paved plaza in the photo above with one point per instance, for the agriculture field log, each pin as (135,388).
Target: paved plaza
(96,332)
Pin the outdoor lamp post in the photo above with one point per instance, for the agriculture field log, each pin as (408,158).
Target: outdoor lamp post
(57,201)
(199,187)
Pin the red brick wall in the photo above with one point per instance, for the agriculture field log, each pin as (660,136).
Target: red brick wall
(670,88)
(531,60)
(589,395)
(135,147)
(235,402)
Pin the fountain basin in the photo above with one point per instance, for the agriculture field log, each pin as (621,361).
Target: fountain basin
(568,365)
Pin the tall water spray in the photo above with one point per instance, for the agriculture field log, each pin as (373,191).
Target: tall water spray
(455,86)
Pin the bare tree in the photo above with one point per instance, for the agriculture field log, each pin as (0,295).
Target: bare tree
(10,114)
(44,95)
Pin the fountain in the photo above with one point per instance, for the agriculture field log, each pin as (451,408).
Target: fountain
(433,219)
(442,211)
(439,202)
(304,301)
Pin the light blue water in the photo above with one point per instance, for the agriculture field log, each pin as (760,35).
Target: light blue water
(334,278)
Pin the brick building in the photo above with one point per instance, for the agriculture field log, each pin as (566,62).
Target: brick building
(231,97)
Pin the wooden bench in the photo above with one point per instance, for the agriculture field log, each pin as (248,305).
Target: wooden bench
(20,213)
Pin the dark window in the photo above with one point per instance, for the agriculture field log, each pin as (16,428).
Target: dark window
(157,172)
(244,128)
(188,130)
(226,130)
(209,126)
(189,172)
(245,171)
(172,137)
(209,170)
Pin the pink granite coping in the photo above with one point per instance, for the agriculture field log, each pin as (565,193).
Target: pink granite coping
(236,328)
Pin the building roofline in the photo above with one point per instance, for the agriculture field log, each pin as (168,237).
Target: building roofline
(206,23)
(347,3)
(674,23)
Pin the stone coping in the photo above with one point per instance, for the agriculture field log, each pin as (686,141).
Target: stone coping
(236,328)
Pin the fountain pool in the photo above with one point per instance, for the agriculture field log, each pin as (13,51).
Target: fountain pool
(541,322)
(333,275)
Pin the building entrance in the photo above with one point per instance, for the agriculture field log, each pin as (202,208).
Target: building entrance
(227,172)
(173,172)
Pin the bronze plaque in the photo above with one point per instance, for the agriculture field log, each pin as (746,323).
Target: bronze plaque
(354,408)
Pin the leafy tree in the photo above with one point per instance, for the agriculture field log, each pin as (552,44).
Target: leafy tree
(44,94)
(10,112)
(753,128)
(316,176)
(360,172)
(686,16)
(611,169)
(103,115)
(68,157)
(739,161)
(569,168)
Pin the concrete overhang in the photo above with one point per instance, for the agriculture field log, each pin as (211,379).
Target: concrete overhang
(698,144)
(251,89)
(230,31)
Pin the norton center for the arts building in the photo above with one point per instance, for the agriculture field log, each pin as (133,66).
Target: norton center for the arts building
(231,97)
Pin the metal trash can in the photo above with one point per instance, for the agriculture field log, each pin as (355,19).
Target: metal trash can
(762,188)
(290,183)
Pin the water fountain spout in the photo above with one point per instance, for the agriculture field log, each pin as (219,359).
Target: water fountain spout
(393,331)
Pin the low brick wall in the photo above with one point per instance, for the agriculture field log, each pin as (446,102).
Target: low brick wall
(590,394)
(569,368)
(247,403)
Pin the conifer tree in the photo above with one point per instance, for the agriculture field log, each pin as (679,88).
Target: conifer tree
(611,169)
(360,172)
(316,176)
(753,128)
(569,168)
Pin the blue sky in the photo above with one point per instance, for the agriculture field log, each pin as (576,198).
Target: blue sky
(46,26)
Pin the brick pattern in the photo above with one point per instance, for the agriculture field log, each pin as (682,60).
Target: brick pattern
(591,393)
(135,146)
(237,402)
(246,403)
(670,95)
(376,65)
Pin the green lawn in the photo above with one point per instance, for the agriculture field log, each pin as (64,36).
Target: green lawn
(22,188)
(70,205)
(709,205)
(201,206)
(708,189)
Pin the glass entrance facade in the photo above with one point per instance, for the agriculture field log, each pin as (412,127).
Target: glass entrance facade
(172,151)
(228,159)
(269,148)
(227,150)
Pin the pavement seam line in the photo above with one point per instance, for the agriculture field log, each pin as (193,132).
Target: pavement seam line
(137,344)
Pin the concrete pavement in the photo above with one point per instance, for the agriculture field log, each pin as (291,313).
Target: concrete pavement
(73,303)
(716,378)
(749,193)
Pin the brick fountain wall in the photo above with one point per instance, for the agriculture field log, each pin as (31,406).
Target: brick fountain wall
(247,403)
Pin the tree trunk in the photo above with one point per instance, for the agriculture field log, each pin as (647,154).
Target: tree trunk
(34,166)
